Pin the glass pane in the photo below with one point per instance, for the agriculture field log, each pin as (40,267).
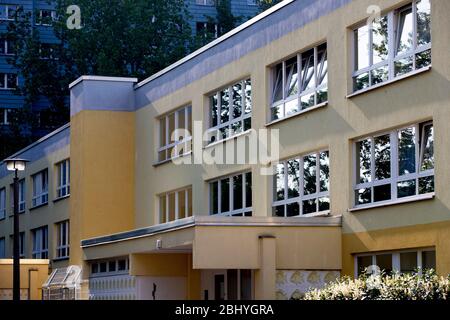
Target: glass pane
(162,209)
(363,263)
(214,197)
(162,132)
(384,262)
(363,196)
(172,207)
(237,192)
(324,171)
(322,65)
(181,119)
(406,188)
(362,47)
(309,174)
(382,193)
(308,101)
(426,185)
(237,100)
(189,114)
(237,127)
(380,75)
(232,287)
(189,212)
(246,284)
(248,96)
(214,111)
(324,204)
(380,40)
(225,195)
(403,66)
(404,30)
(247,124)
(382,149)
(423,22)
(279,182)
(408,262)
(225,106)
(291,81)
(427,152)
(292,209)
(361,82)
(407,151)
(291,107)
(310,206)
(423,59)
(293,171)
(277,94)
(278,211)
(364,154)
(322,96)
(162,155)
(171,127)
(277,112)
(182,204)
(428,260)
(307,76)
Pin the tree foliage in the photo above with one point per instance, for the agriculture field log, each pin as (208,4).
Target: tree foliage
(266,4)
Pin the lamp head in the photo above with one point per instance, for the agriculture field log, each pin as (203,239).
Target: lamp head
(15,164)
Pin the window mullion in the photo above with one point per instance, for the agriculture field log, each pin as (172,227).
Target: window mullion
(299,77)
(176,206)
(394,164)
(370,29)
(231,195)
(414,13)
(417,156)
(372,166)
(301,183)
(167,208)
(317,180)
(244,187)
(315,74)
(391,44)
(283,86)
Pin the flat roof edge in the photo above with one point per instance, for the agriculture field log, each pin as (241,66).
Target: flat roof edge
(102,78)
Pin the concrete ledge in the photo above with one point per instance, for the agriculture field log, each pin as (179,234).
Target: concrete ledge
(25,261)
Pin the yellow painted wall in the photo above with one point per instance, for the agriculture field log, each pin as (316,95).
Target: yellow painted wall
(159,265)
(102,175)
(33,273)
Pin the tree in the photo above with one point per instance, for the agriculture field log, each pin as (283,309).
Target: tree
(266,4)
(226,21)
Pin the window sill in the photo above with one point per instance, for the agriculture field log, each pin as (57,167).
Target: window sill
(160,163)
(389,82)
(11,215)
(39,206)
(297,114)
(392,203)
(216,143)
(61,198)
(61,259)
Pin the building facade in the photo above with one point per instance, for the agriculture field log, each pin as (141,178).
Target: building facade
(354,105)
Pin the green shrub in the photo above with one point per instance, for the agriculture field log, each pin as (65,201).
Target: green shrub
(415,286)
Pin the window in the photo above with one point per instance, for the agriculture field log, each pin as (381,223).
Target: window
(5,115)
(2,248)
(21,245)
(110,267)
(407,261)
(175,205)
(21,196)
(175,137)
(394,45)
(63,183)
(302,186)
(46,50)
(7,11)
(300,82)
(40,188)
(230,111)
(395,165)
(252,2)
(6,47)
(8,81)
(2,203)
(231,196)
(62,244)
(40,243)
(205,2)
(46,17)
(207,29)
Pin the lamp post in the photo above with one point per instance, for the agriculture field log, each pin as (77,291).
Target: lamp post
(16,165)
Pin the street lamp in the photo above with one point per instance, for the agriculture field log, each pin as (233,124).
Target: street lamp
(16,165)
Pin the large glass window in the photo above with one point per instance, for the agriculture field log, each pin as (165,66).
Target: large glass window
(40,188)
(396,44)
(175,205)
(63,238)
(395,165)
(230,111)
(110,267)
(21,245)
(8,81)
(231,196)
(2,248)
(175,138)
(302,186)
(2,203)
(40,243)
(300,82)
(63,183)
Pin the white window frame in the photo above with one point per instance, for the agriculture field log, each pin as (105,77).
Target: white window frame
(40,188)
(205,2)
(7,8)
(166,197)
(40,243)
(302,197)
(63,240)
(215,131)
(231,211)
(4,116)
(108,272)
(2,203)
(396,262)
(314,90)
(5,43)
(395,178)
(5,79)
(392,56)
(184,144)
(63,183)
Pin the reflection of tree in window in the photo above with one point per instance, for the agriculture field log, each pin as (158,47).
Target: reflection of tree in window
(293,178)
(382,150)
(364,151)
(407,151)
(309,174)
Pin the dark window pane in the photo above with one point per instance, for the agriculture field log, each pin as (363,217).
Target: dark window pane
(361,82)
(225,106)
(428,260)
(248,190)
(380,75)
(112,266)
(232,287)
(427,148)
(309,206)
(408,262)
(237,100)
(278,211)
(423,59)
(246,284)
(363,263)
(309,174)
(406,188)
(407,151)
(324,204)
(363,151)
(293,171)
(237,192)
(293,209)
(363,196)
(382,193)
(103,267)
(382,146)
(225,195)
(94,268)
(426,185)
(214,197)
(384,262)
(324,171)
(403,66)
(122,265)
(214,111)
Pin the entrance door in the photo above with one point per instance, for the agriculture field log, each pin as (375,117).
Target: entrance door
(230,284)
(219,287)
